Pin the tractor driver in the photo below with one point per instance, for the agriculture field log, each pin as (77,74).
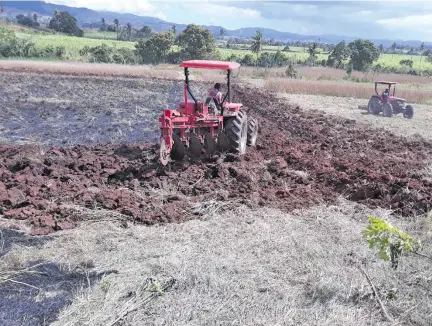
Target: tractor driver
(215,95)
(386,93)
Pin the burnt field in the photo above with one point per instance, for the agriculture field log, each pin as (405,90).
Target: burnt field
(73,143)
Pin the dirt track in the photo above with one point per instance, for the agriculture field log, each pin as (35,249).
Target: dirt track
(303,158)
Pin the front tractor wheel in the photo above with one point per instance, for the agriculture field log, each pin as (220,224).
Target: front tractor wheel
(408,112)
(388,110)
(236,129)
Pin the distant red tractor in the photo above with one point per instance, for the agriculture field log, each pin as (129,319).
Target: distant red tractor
(205,127)
(387,103)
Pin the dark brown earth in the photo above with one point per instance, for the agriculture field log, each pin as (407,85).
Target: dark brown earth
(302,159)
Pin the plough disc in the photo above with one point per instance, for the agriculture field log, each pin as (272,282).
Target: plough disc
(209,143)
(178,149)
(194,148)
(222,142)
(164,152)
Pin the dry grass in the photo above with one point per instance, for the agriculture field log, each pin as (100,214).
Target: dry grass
(323,73)
(342,89)
(172,72)
(239,267)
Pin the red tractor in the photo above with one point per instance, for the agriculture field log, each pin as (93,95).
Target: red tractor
(387,103)
(196,127)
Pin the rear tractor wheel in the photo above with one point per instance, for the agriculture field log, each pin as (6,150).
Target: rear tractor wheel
(408,112)
(236,130)
(252,132)
(374,107)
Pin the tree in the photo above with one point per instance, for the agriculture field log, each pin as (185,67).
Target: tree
(381,48)
(393,48)
(363,53)
(26,21)
(222,32)
(103,27)
(65,23)
(257,43)
(35,18)
(117,24)
(174,29)
(1,9)
(340,53)
(197,42)
(155,49)
(422,46)
(129,30)
(312,50)
(146,31)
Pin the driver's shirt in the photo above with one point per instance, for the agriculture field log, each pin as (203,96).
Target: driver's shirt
(215,93)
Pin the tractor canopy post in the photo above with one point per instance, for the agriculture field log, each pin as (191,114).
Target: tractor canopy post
(228,95)
(187,88)
(394,90)
(376,90)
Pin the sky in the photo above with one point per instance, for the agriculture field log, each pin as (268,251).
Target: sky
(407,20)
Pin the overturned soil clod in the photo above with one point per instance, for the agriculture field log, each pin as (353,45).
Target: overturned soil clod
(302,159)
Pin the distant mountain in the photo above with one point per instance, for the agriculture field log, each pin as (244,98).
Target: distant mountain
(87,17)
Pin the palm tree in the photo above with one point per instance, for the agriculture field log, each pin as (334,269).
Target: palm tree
(35,17)
(381,48)
(174,29)
(129,30)
(422,46)
(312,50)
(393,48)
(1,9)
(117,23)
(221,32)
(103,28)
(257,43)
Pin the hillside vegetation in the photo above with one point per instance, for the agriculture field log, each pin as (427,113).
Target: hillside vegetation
(126,44)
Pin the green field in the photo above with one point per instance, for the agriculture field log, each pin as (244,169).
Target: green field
(95,34)
(72,43)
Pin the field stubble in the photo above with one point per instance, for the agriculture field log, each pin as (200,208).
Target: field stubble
(237,266)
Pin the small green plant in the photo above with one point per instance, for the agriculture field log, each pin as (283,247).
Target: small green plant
(390,242)
(105,286)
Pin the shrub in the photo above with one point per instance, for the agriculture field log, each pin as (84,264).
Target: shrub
(12,46)
(106,54)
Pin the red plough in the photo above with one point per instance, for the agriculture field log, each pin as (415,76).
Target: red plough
(197,127)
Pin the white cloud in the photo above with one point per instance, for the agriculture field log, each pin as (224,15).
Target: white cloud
(413,21)
(413,26)
(138,7)
(225,10)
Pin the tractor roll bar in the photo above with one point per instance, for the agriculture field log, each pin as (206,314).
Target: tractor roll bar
(186,71)
(188,90)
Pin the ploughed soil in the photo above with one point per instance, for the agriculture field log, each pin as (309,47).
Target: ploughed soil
(302,158)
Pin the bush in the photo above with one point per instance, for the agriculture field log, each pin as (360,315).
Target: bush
(106,54)
(12,46)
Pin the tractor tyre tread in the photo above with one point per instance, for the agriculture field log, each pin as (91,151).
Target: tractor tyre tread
(409,112)
(252,131)
(388,110)
(233,130)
